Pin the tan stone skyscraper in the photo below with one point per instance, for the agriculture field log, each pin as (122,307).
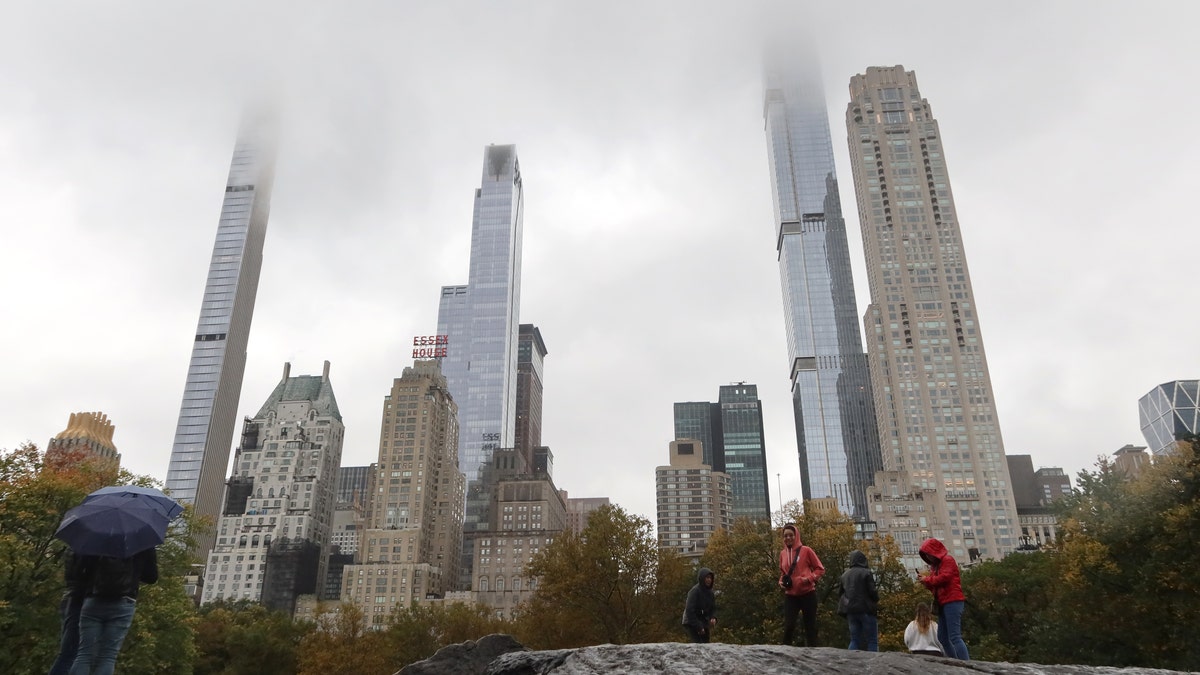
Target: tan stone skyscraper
(410,544)
(88,436)
(945,473)
(693,500)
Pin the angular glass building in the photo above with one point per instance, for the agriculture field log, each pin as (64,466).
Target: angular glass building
(1168,410)
(481,320)
(831,396)
(731,432)
(204,433)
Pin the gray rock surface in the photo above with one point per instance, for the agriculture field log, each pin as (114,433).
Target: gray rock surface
(466,658)
(502,655)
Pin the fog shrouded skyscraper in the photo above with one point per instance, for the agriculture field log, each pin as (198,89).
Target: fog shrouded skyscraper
(207,415)
(831,397)
(481,320)
(933,395)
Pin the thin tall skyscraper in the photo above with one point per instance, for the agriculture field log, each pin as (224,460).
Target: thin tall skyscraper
(204,434)
(831,397)
(481,320)
(933,395)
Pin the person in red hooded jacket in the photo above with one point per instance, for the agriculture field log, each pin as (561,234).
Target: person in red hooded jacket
(799,570)
(944,582)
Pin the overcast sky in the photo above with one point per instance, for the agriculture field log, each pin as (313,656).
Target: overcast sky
(649,261)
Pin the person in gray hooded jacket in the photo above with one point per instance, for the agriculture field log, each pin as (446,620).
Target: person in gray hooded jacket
(700,612)
(861,603)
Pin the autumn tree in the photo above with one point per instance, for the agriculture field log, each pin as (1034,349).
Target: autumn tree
(745,562)
(1128,546)
(244,638)
(1008,602)
(33,499)
(34,496)
(343,641)
(610,584)
(415,633)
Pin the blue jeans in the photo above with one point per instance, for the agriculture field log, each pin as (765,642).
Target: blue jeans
(864,632)
(69,609)
(103,624)
(950,630)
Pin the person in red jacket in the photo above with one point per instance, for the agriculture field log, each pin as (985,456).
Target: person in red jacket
(799,570)
(944,582)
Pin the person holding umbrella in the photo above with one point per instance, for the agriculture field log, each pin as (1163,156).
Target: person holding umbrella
(113,535)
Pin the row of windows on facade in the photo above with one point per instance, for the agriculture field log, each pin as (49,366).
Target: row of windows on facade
(485,585)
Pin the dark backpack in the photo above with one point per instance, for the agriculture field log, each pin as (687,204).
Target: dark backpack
(112,577)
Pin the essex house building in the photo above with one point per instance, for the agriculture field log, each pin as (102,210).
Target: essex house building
(945,473)
(410,542)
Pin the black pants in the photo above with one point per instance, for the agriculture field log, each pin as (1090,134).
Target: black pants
(695,634)
(794,605)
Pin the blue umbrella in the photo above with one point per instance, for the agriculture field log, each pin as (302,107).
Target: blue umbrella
(113,525)
(168,506)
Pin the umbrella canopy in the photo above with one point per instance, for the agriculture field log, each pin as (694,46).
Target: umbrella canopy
(113,525)
(168,506)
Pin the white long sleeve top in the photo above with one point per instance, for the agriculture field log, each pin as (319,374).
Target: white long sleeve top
(915,640)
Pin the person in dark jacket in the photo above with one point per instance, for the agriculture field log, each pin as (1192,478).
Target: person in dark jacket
(700,612)
(862,602)
(69,608)
(111,597)
(944,582)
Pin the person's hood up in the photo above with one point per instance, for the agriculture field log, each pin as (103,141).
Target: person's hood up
(796,531)
(933,550)
(704,571)
(858,559)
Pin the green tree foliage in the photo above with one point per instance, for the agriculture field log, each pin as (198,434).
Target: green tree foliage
(1129,547)
(245,638)
(33,499)
(748,600)
(1008,603)
(611,584)
(417,632)
(342,641)
(34,495)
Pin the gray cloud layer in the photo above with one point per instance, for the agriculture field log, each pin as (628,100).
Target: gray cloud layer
(649,263)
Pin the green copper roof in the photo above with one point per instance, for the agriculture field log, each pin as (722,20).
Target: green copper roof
(304,388)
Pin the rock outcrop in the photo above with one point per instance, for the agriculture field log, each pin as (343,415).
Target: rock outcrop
(502,655)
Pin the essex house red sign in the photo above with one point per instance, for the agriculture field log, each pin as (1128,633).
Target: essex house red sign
(430,346)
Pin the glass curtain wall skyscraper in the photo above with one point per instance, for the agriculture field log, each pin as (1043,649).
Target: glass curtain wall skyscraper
(835,423)
(731,431)
(933,395)
(204,433)
(481,320)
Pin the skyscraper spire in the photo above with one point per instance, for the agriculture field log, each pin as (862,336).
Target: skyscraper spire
(207,415)
(481,320)
(831,396)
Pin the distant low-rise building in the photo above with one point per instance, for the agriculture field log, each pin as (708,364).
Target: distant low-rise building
(1034,492)
(1131,460)
(579,508)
